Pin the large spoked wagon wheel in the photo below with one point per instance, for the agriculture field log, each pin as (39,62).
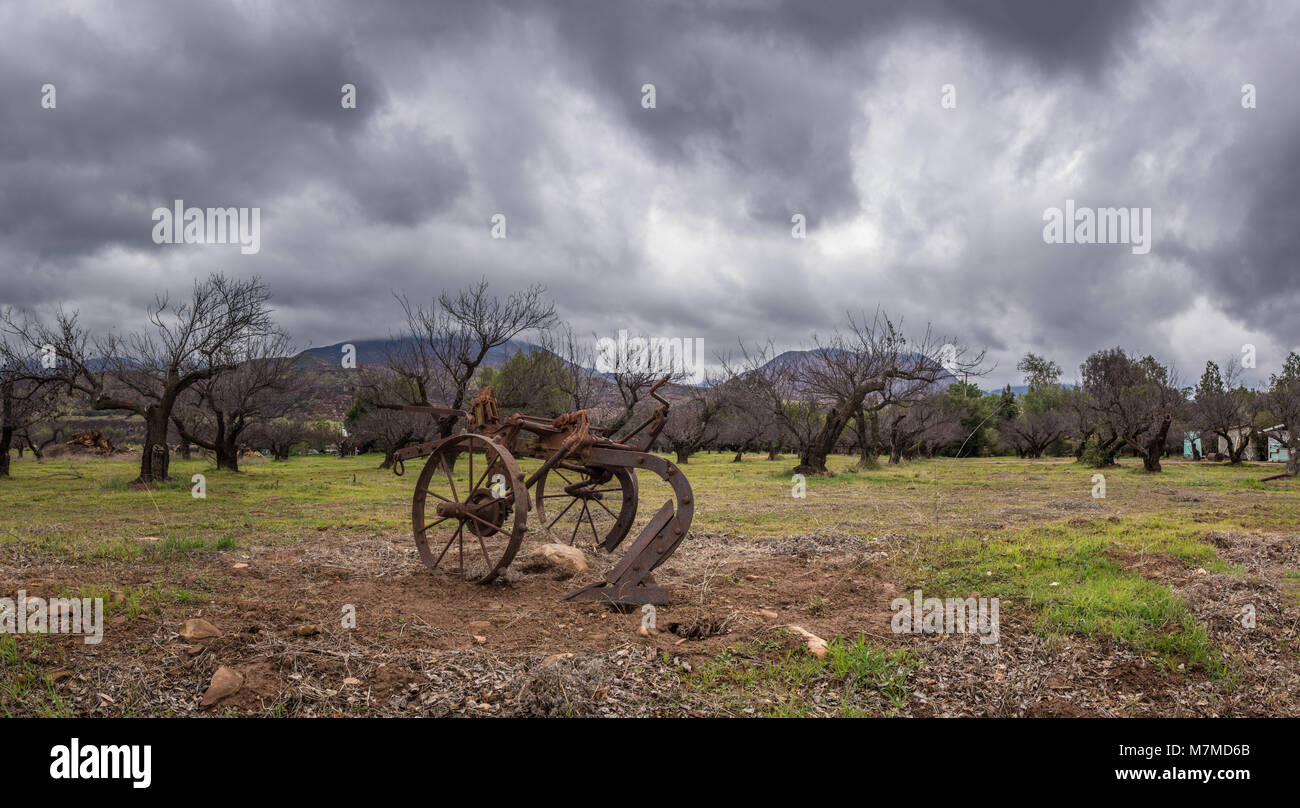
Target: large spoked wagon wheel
(470,501)
(575,501)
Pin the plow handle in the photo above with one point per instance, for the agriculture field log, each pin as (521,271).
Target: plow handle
(654,391)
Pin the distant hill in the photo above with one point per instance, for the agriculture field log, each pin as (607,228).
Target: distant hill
(374,352)
(328,385)
(329,392)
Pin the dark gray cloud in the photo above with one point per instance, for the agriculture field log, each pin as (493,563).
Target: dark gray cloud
(674,220)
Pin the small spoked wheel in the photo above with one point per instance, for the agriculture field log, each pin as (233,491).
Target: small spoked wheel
(574,502)
(470,508)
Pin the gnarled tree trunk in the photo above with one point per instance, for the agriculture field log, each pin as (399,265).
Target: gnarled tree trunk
(154,457)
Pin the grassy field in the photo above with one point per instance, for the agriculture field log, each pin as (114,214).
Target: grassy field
(1066,565)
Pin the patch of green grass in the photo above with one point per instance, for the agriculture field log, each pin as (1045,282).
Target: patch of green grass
(855,677)
(134,601)
(1069,576)
(25,687)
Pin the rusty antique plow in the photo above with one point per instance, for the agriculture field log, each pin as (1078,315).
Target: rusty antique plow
(472,500)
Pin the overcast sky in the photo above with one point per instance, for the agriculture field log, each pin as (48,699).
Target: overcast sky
(673,220)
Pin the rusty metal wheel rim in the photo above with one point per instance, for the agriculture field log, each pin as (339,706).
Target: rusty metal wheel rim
(467,511)
(602,508)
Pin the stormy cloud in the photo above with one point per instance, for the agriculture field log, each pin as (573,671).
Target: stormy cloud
(676,219)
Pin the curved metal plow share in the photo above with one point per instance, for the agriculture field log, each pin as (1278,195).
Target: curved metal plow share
(630,582)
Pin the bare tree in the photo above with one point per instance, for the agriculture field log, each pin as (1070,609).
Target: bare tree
(917,427)
(775,380)
(145,372)
(42,433)
(216,412)
(279,435)
(444,345)
(633,372)
(865,437)
(746,419)
(871,365)
(27,399)
(694,422)
(387,430)
(1136,398)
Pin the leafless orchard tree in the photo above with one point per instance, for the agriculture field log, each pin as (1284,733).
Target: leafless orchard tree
(694,421)
(920,425)
(217,412)
(864,437)
(145,372)
(438,355)
(1136,398)
(27,399)
(632,377)
(42,433)
(873,365)
(775,381)
(864,367)
(747,419)
(388,430)
(279,435)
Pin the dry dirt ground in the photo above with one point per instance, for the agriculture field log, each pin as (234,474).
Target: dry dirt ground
(427,643)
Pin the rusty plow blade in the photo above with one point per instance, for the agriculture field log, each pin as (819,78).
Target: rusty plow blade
(630,582)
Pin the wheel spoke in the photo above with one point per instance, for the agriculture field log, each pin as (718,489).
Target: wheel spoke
(446,547)
(577,524)
(486,472)
(442,461)
(485,523)
(460,547)
(594,535)
(562,513)
(607,510)
(434,524)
